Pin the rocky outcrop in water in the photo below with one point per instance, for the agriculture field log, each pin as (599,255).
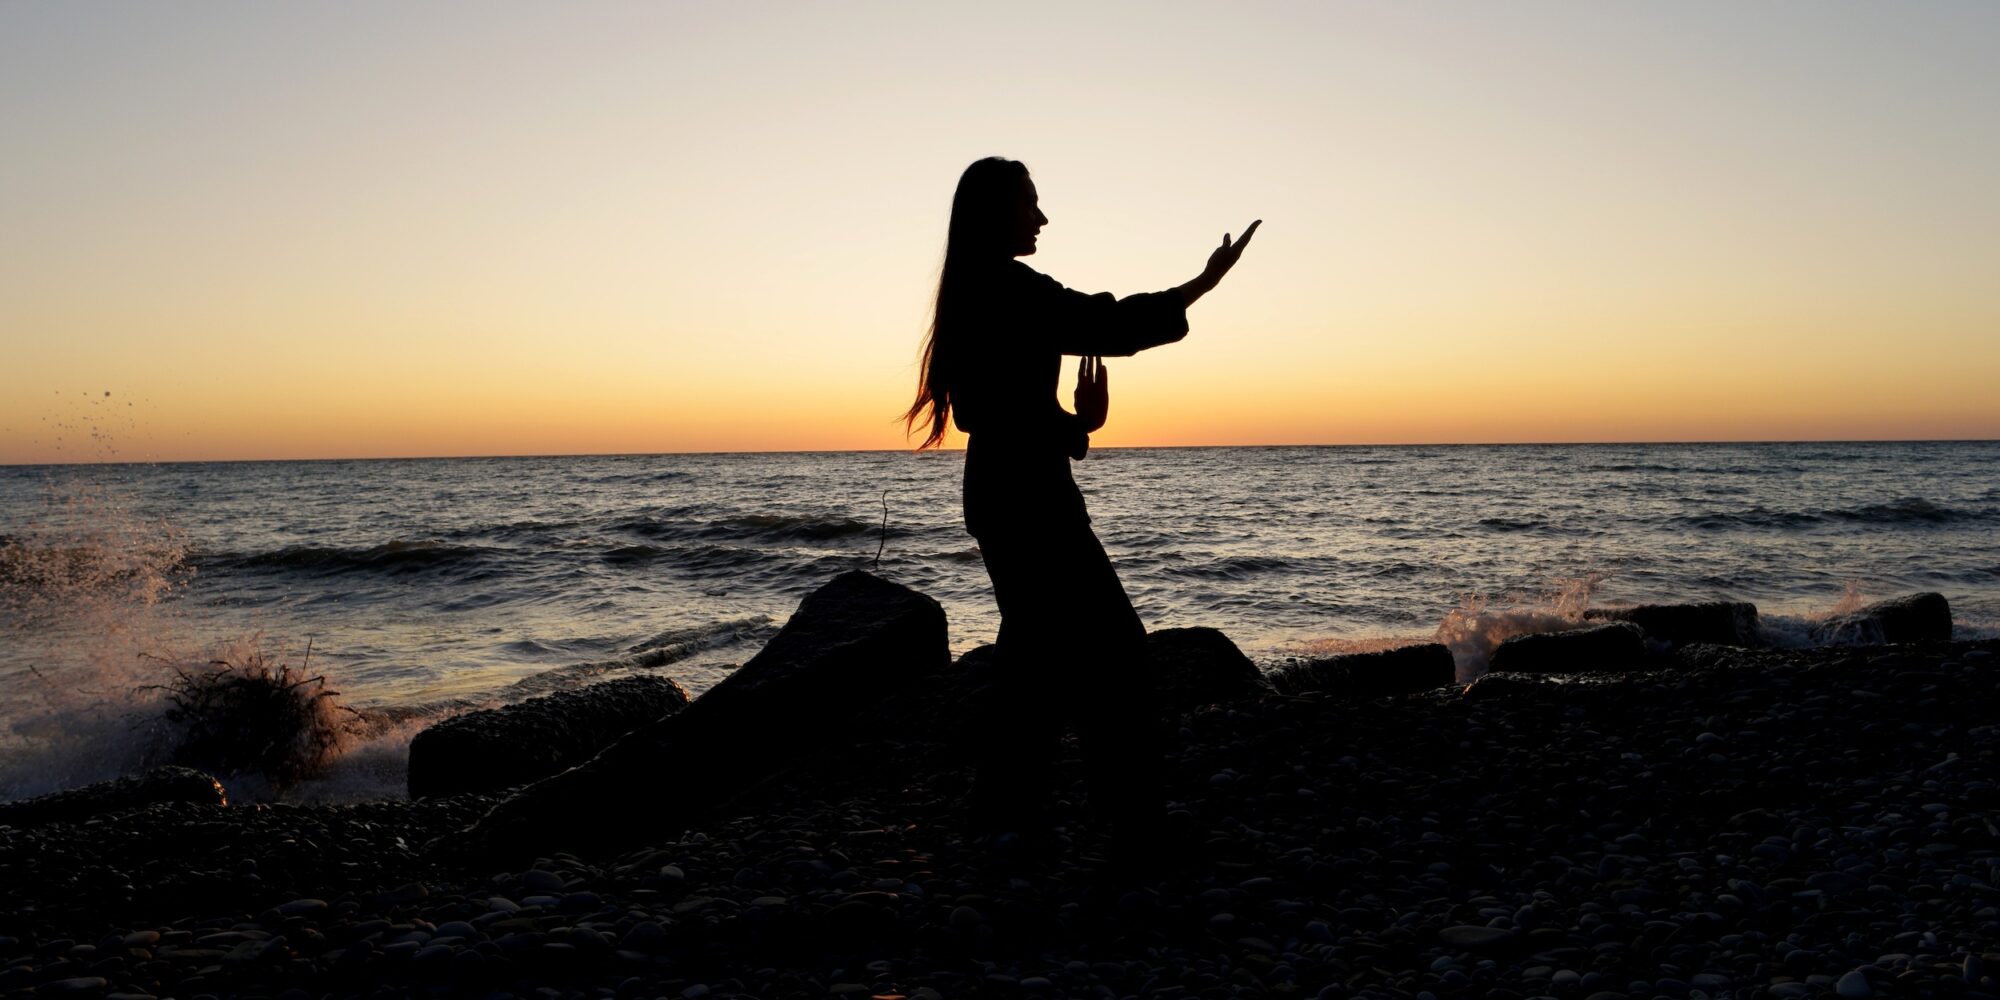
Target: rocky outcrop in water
(1404,670)
(853,643)
(498,748)
(1594,648)
(134,791)
(1911,618)
(1725,623)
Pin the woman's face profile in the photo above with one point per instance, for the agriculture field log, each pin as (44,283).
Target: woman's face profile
(1028,219)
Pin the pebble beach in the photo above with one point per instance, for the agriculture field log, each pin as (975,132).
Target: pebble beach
(1730,823)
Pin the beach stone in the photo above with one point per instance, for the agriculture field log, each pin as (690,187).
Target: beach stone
(75,985)
(1404,670)
(1922,617)
(1192,667)
(1466,937)
(157,786)
(1612,646)
(1724,623)
(1853,986)
(852,643)
(498,748)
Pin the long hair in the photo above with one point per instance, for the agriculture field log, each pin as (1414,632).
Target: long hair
(982,214)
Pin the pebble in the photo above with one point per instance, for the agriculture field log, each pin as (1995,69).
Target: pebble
(1853,986)
(541,881)
(1471,936)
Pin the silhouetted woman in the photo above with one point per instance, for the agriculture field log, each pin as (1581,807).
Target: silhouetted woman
(1070,644)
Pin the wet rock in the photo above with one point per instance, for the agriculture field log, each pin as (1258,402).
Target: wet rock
(852,643)
(512,745)
(1911,618)
(157,786)
(1192,667)
(1612,646)
(1725,623)
(1371,675)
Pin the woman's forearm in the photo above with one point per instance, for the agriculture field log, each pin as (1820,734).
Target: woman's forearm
(1200,286)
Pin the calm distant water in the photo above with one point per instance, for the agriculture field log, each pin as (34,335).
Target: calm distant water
(424,579)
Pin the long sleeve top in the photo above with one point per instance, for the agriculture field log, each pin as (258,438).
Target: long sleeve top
(1019,438)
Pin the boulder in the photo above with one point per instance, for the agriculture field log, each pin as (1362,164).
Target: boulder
(1723,623)
(1192,667)
(851,644)
(1910,618)
(1590,649)
(1404,670)
(133,791)
(512,745)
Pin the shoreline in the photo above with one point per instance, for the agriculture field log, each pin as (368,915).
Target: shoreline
(1742,822)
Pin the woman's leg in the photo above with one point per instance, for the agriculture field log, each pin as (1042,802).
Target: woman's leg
(1116,709)
(1020,733)
(1071,647)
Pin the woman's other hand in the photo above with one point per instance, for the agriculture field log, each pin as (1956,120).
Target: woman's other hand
(1219,262)
(1093,392)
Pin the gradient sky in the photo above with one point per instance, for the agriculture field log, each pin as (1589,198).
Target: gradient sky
(316,230)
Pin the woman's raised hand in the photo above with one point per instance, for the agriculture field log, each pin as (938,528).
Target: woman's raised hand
(1093,392)
(1226,255)
(1219,263)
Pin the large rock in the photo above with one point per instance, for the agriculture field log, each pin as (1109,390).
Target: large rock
(134,791)
(512,745)
(1188,667)
(1723,623)
(1192,667)
(1591,649)
(1910,618)
(852,644)
(1403,670)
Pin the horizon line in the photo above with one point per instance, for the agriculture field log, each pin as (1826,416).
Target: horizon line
(914,452)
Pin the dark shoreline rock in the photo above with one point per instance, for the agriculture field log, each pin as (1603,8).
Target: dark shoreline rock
(134,791)
(1192,667)
(1922,617)
(853,643)
(1726,623)
(1612,646)
(498,748)
(1404,670)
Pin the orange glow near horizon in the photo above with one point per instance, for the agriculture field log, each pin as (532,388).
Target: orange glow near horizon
(646,228)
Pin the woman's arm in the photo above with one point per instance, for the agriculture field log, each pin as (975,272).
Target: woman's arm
(1102,325)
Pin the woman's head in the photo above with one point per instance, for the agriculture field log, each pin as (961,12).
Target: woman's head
(994,214)
(995,217)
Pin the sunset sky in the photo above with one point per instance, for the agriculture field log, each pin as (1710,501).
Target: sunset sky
(318,230)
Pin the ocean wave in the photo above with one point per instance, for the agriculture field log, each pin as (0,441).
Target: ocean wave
(791,526)
(755,527)
(393,557)
(668,647)
(1231,567)
(1908,510)
(1632,467)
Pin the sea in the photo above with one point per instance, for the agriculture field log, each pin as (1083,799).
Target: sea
(433,585)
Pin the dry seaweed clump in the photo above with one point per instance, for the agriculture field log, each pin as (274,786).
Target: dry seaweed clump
(247,716)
